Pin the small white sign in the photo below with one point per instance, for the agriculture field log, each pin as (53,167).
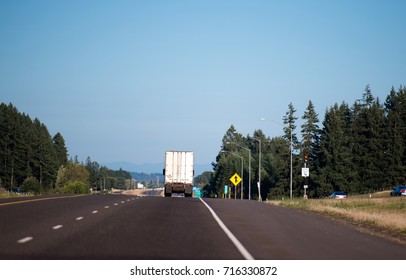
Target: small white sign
(305,172)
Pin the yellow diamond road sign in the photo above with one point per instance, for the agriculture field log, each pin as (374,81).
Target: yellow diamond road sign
(235,179)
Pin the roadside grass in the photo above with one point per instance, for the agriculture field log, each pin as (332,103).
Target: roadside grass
(378,209)
(7,194)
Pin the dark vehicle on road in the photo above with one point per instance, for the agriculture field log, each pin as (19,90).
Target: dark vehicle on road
(18,191)
(398,191)
(338,195)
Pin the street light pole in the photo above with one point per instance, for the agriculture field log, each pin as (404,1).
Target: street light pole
(249,167)
(259,170)
(291,153)
(291,161)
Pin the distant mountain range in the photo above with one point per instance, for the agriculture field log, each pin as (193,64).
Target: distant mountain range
(151,167)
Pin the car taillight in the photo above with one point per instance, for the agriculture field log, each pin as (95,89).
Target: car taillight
(402,191)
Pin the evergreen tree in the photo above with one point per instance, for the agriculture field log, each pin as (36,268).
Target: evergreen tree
(94,172)
(334,158)
(368,143)
(13,146)
(290,135)
(276,164)
(289,121)
(395,137)
(310,131)
(45,165)
(61,151)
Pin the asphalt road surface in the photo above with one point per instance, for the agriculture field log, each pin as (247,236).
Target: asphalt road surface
(127,227)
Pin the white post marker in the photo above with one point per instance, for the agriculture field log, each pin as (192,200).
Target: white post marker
(259,192)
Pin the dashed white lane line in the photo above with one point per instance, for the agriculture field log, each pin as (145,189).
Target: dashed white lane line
(29,238)
(25,240)
(244,252)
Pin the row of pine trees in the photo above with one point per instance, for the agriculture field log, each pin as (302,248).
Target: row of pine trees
(357,149)
(28,151)
(31,160)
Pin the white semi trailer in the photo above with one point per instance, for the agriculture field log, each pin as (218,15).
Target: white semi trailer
(178,173)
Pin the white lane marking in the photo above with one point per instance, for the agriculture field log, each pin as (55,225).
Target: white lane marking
(123,201)
(244,252)
(57,227)
(106,207)
(115,204)
(95,211)
(79,218)
(128,199)
(25,240)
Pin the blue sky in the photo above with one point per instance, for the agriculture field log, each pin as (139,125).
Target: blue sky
(127,80)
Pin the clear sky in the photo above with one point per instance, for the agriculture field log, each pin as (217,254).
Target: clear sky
(127,80)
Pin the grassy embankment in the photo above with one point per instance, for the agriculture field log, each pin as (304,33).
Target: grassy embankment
(6,194)
(380,211)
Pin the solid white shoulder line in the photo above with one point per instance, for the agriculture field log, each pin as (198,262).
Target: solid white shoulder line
(244,252)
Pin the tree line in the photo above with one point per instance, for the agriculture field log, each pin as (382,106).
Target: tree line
(31,160)
(357,148)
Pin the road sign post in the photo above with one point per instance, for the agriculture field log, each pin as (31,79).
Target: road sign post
(235,179)
(305,175)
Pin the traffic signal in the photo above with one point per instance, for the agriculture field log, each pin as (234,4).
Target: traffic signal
(305,156)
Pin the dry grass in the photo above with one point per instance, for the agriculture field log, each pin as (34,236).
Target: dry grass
(134,192)
(379,210)
(7,194)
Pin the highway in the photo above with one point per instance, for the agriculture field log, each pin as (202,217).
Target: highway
(130,227)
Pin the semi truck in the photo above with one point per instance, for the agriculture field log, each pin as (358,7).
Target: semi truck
(178,173)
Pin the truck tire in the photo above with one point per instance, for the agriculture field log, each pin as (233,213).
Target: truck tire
(188,191)
(168,191)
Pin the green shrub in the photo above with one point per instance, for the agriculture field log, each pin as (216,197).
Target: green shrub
(76,187)
(31,185)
